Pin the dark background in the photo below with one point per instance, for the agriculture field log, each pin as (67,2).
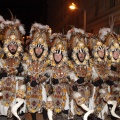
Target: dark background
(27,11)
(54,13)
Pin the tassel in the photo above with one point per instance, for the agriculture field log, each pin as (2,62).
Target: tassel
(16,106)
(114,103)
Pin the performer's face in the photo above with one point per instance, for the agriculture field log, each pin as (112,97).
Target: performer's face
(57,57)
(101,53)
(38,51)
(81,56)
(12,48)
(116,54)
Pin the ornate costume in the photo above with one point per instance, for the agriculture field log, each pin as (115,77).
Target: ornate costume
(11,81)
(35,67)
(59,72)
(114,83)
(101,80)
(82,87)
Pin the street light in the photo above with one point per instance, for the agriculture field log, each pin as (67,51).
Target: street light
(74,7)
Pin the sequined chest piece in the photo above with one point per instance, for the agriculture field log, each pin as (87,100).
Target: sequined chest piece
(81,71)
(102,70)
(34,98)
(11,64)
(36,68)
(59,97)
(9,89)
(59,73)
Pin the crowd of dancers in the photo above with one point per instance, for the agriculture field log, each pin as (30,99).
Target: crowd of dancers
(71,77)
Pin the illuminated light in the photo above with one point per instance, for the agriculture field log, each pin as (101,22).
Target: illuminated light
(72,6)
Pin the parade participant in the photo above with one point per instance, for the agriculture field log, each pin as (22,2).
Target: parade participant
(60,75)
(113,82)
(82,87)
(101,73)
(11,80)
(114,55)
(35,67)
(72,34)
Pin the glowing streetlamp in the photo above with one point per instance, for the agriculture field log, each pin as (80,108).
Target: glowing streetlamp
(74,7)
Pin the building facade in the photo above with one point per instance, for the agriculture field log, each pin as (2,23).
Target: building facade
(98,12)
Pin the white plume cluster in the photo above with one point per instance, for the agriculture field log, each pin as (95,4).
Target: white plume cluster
(103,32)
(74,30)
(39,26)
(1,18)
(54,35)
(16,22)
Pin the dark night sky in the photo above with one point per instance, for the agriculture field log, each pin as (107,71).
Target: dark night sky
(28,11)
(31,11)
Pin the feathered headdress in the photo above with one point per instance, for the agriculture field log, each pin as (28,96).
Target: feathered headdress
(114,47)
(99,46)
(80,47)
(13,32)
(59,46)
(39,36)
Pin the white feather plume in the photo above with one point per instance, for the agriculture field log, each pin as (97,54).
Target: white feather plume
(22,30)
(43,26)
(75,30)
(7,22)
(39,26)
(2,26)
(17,21)
(103,32)
(68,35)
(79,30)
(1,18)
(76,95)
(54,35)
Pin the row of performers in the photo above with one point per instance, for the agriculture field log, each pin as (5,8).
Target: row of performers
(67,89)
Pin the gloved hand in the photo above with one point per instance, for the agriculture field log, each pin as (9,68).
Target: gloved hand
(97,83)
(74,88)
(113,68)
(80,80)
(33,83)
(55,81)
(27,79)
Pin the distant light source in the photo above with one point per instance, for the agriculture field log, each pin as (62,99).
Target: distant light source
(72,6)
